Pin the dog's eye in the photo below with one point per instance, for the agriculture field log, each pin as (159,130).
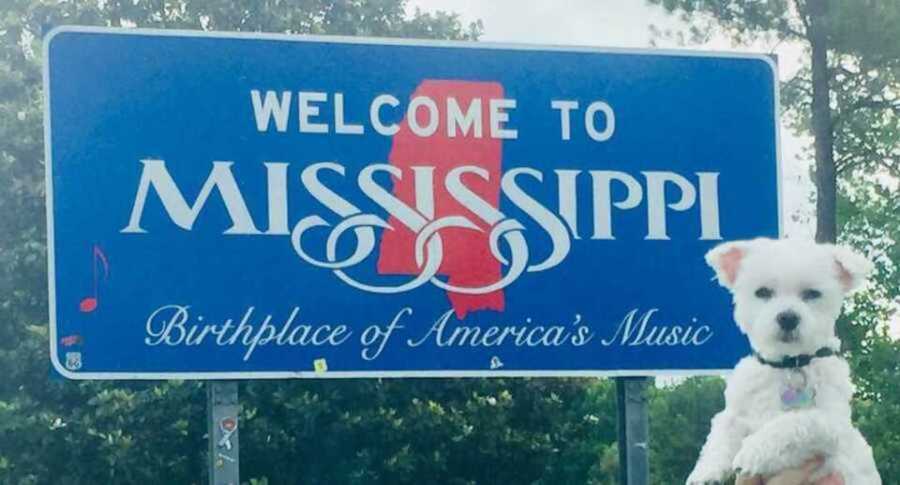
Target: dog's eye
(764,293)
(809,295)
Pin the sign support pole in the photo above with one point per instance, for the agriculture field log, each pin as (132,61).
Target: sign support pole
(633,427)
(222,423)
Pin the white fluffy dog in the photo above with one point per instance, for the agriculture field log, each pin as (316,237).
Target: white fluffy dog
(790,400)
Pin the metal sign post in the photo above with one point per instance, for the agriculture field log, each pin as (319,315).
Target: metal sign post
(222,418)
(634,444)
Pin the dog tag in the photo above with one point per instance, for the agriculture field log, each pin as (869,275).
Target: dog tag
(797,393)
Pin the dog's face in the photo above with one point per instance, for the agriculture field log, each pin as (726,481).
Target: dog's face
(787,293)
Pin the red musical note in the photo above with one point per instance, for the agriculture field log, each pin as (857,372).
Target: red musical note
(90,303)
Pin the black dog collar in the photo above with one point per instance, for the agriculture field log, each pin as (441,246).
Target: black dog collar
(795,361)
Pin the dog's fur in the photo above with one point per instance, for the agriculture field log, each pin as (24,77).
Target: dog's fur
(754,434)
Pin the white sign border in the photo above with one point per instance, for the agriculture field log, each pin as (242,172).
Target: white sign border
(51,273)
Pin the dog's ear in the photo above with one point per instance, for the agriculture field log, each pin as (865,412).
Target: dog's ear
(726,259)
(852,268)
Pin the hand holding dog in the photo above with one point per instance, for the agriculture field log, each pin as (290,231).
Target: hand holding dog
(795,476)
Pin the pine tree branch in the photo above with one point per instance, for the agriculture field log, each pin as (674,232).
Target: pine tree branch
(795,83)
(868,102)
(892,165)
(794,32)
(804,18)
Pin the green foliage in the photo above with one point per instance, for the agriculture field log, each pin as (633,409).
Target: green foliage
(743,20)
(454,432)
(870,215)
(679,422)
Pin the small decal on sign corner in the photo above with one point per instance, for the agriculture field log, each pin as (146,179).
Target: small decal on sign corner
(73,360)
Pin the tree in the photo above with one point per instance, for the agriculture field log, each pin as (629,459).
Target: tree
(679,423)
(851,44)
(846,98)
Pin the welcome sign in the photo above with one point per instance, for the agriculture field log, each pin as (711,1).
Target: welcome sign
(243,206)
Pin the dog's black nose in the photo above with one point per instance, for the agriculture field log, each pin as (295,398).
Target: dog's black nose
(788,320)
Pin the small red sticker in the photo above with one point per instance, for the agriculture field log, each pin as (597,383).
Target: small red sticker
(71,340)
(228,424)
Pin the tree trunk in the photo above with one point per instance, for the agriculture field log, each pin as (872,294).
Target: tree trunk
(826,177)
(115,13)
